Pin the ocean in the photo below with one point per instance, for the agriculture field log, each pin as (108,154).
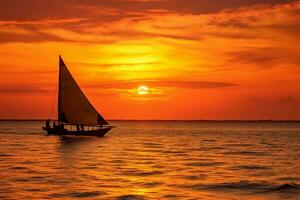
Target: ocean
(153,160)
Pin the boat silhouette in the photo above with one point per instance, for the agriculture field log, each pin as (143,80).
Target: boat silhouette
(76,115)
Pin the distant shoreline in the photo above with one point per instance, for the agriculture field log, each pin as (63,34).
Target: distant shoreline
(169,120)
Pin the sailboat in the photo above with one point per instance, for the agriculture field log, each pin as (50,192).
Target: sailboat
(76,115)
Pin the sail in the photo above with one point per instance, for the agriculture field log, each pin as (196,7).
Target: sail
(73,106)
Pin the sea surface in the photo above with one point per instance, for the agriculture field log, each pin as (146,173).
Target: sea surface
(153,160)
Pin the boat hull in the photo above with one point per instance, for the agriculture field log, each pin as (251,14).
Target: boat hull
(65,132)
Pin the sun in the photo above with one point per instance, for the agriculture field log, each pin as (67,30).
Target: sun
(142,90)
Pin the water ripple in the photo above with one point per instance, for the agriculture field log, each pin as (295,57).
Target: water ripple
(130,197)
(147,160)
(77,194)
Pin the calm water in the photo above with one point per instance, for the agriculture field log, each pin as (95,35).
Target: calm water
(153,160)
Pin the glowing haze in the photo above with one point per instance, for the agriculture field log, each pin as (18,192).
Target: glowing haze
(154,59)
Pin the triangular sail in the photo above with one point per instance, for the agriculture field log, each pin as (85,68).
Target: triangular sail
(73,106)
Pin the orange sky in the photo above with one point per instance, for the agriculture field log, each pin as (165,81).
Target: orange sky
(200,59)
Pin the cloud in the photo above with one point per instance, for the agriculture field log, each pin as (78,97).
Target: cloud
(36,9)
(21,89)
(282,100)
(31,72)
(45,21)
(265,57)
(27,38)
(163,84)
(33,30)
(108,21)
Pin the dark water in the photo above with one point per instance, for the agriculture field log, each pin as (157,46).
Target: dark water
(153,160)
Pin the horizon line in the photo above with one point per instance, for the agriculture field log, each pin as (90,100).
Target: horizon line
(179,120)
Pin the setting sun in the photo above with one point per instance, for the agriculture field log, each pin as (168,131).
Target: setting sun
(142,90)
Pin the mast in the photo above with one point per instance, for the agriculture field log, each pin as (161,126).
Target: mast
(61,114)
(59,84)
